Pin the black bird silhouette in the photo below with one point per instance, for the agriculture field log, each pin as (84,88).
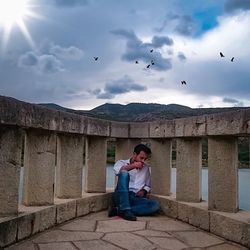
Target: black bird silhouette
(136,62)
(221,54)
(152,62)
(183,82)
(96,58)
(232,59)
(151,50)
(148,66)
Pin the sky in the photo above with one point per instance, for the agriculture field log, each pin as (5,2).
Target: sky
(145,49)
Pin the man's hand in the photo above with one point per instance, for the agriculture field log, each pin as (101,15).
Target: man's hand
(141,193)
(137,164)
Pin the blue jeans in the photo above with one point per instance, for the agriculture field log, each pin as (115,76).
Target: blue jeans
(126,199)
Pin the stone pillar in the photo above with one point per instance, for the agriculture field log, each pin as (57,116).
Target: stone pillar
(10,163)
(95,164)
(39,168)
(188,169)
(223,174)
(161,164)
(69,166)
(125,148)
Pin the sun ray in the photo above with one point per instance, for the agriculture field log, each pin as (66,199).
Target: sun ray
(12,13)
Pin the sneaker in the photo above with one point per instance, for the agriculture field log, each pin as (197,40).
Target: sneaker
(112,211)
(127,215)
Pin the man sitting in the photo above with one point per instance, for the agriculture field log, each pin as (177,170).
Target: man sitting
(134,182)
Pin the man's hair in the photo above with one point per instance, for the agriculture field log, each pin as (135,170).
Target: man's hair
(142,147)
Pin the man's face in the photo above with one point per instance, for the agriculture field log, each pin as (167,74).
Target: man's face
(141,157)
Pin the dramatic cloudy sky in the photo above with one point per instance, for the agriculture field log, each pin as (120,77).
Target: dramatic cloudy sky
(49,57)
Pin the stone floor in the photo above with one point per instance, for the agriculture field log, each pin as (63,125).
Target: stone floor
(97,231)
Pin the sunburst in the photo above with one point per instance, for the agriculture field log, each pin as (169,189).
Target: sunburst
(16,12)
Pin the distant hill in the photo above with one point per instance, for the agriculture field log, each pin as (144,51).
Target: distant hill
(141,112)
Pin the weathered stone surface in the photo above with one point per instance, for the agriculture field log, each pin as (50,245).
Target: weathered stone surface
(227,246)
(191,126)
(128,241)
(95,244)
(95,161)
(80,225)
(161,164)
(198,239)
(138,130)
(8,232)
(10,163)
(119,129)
(230,228)
(66,211)
(188,169)
(59,235)
(169,225)
(27,245)
(119,226)
(223,165)
(69,166)
(168,205)
(98,127)
(46,218)
(152,233)
(82,207)
(57,245)
(230,123)
(39,168)
(162,129)
(25,226)
(170,243)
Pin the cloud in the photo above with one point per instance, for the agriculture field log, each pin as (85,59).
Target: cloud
(116,87)
(41,64)
(137,50)
(181,24)
(229,100)
(233,5)
(70,53)
(68,3)
(182,56)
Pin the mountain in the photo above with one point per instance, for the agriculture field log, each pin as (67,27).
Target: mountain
(141,112)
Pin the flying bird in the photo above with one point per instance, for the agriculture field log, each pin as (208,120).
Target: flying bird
(232,59)
(221,54)
(148,66)
(183,82)
(151,50)
(136,62)
(152,62)
(96,58)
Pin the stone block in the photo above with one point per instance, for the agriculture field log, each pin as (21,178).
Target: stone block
(139,130)
(72,123)
(98,202)
(46,218)
(183,212)
(69,166)
(65,211)
(125,147)
(161,129)
(26,224)
(98,127)
(168,205)
(39,168)
(228,226)
(119,129)
(95,164)
(8,231)
(229,123)
(191,126)
(82,207)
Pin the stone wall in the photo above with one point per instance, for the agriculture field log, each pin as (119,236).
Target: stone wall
(54,144)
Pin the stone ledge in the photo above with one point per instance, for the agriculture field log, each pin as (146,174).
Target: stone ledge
(231,226)
(32,220)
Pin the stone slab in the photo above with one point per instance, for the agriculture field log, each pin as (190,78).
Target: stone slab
(168,243)
(129,241)
(95,244)
(198,239)
(80,225)
(57,245)
(119,225)
(66,211)
(138,130)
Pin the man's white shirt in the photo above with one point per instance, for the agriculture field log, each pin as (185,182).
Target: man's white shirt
(139,178)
